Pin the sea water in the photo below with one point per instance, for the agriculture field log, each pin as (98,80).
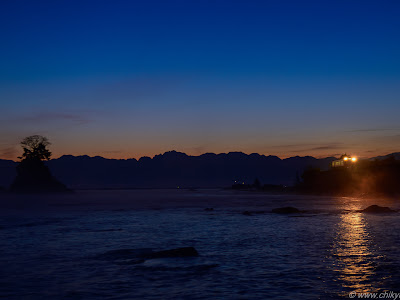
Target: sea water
(52,247)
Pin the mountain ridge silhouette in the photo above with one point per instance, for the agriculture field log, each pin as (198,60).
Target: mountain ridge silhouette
(173,169)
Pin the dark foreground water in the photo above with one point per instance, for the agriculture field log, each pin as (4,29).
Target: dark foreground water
(51,247)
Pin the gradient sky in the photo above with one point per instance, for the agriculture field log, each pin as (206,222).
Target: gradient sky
(131,78)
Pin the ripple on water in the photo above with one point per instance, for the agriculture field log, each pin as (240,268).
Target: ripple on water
(327,252)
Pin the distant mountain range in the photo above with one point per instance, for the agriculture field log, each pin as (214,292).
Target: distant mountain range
(174,169)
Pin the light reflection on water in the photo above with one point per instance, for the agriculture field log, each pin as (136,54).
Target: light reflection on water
(355,253)
(48,250)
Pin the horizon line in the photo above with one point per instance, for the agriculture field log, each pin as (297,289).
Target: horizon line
(205,153)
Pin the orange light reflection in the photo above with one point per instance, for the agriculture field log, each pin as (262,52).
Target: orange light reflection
(354,253)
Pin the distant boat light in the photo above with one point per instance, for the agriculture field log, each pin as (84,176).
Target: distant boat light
(354,159)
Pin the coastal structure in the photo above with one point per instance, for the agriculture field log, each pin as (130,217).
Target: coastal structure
(344,161)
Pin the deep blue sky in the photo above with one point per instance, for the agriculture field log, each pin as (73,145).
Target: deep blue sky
(132,78)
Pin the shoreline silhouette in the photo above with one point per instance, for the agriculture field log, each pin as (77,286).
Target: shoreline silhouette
(236,170)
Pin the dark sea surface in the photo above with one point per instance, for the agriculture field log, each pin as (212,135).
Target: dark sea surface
(53,247)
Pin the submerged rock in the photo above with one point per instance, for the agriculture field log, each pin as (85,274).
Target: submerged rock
(124,254)
(133,256)
(254,212)
(178,252)
(286,210)
(376,209)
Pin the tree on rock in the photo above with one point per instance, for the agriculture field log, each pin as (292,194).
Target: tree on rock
(35,147)
(32,174)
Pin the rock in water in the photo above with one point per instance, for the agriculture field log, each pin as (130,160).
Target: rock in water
(136,256)
(286,210)
(178,252)
(33,176)
(376,209)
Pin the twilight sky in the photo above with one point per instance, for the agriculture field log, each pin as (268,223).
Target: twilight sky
(132,78)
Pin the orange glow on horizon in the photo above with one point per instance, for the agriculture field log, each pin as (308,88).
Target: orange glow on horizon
(118,151)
